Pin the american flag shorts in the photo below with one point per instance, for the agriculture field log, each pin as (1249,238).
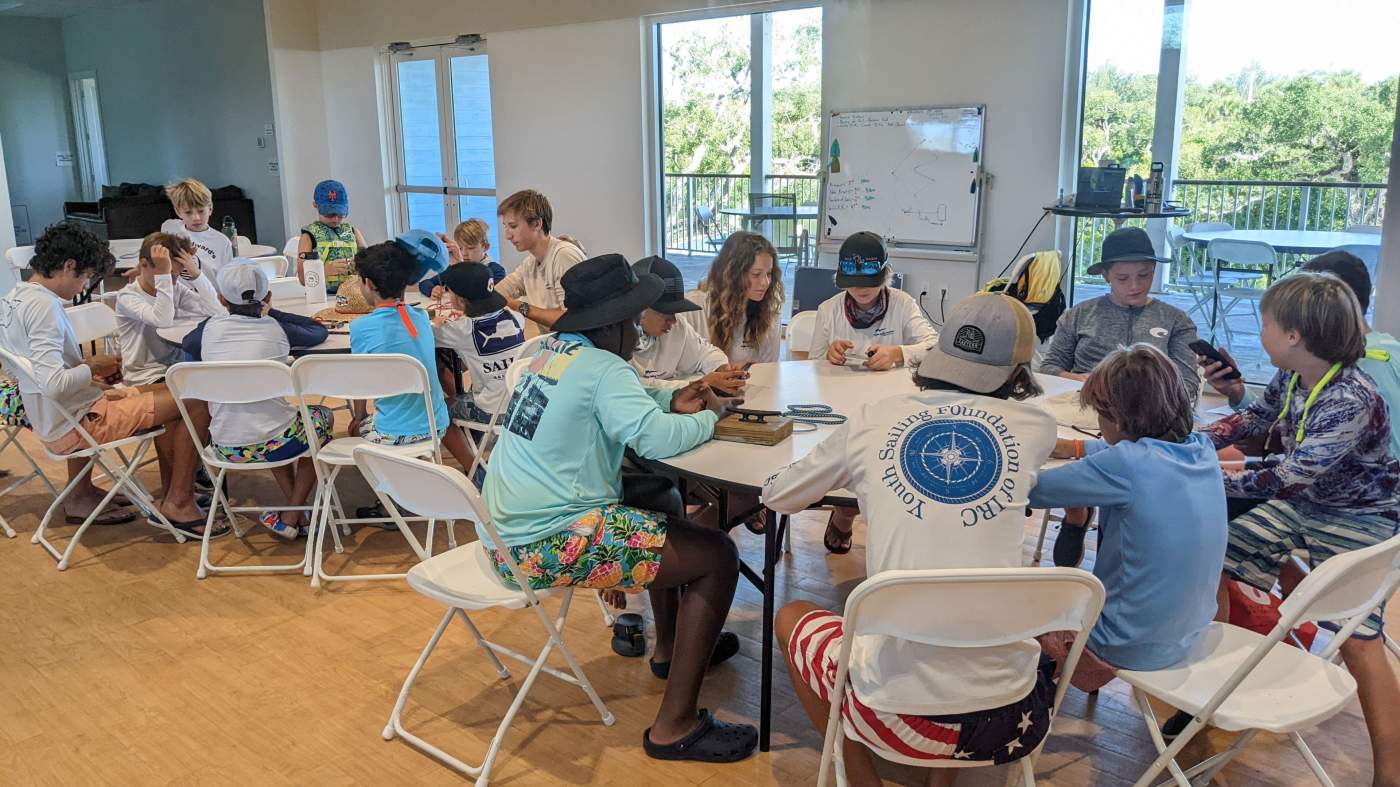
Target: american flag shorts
(997,735)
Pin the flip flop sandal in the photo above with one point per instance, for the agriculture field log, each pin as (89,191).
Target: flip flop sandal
(757,523)
(191,528)
(108,518)
(710,741)
(725,647)
(836,542)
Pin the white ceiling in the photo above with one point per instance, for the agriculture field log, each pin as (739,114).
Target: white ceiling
(56,8)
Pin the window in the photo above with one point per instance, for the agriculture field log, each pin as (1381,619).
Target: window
(1261,127)
(446,162)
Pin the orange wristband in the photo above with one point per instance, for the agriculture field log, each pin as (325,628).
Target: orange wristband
(1078,449)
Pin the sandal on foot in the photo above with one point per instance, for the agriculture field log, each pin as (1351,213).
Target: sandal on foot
(836,542)
(757,523)
(273,521)
(710,741)
(725,647)
(109,517)
(191,528)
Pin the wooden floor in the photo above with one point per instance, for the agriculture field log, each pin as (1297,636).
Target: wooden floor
(126,670)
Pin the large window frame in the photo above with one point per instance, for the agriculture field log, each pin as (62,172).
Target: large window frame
(449,189)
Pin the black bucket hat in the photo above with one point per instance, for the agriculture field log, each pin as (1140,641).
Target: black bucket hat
(471,281)
(603,290)
(1129,244)
(862,261)
(672,300)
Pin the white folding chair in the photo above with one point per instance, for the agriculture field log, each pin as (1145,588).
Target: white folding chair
(1370,255)
(370,376)
(286,288)
(9,278)
(1240,681)
(291,247)
(492,428)
(1234,286)
(10,430)
(92,321)
(99,455)
(799,332)
(274,266)
(963,608)
(19,256)
(237,382)
(465,579)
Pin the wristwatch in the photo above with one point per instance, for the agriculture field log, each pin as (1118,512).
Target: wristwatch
(524,308)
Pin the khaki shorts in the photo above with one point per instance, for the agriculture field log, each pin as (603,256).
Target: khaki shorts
(120,413)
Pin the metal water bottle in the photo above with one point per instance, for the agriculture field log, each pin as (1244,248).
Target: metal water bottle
(231,230)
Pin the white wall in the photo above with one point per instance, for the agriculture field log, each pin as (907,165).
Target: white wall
(7,225)
(34,119)
(186,91)
(1009,55)
(299,104)
(353,140)
(571,131)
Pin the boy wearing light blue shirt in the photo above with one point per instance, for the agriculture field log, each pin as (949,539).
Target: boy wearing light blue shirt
(1159,561)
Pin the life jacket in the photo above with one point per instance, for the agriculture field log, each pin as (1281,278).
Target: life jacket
(1035,281)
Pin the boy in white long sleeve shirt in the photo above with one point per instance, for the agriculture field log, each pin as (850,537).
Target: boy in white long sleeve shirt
(670,353)
(870,324)
(194,204)
(168,287)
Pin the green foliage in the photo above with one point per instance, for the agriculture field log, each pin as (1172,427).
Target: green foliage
(1320,126)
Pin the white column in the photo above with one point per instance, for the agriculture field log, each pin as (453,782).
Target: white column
(1166,131)
(760,100)
(1387,295)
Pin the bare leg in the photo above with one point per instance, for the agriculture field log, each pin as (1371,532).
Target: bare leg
(180,457)
(457,444)
(706,563)
(1379,692)
(843,519)
(85,495)
(860,767)
(301,491)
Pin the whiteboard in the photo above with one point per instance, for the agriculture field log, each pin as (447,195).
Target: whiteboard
(912,176)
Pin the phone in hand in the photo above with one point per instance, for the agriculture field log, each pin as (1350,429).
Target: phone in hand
(1204,349)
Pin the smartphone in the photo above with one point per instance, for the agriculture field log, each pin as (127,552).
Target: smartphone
(1203,348)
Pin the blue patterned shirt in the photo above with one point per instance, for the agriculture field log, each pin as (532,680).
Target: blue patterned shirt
(1344,462)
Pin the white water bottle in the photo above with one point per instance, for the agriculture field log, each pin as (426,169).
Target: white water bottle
(313,272)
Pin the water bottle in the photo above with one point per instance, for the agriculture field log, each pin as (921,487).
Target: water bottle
(313,274)
(231,230)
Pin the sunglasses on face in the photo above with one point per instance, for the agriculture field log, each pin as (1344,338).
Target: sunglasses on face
(856,265)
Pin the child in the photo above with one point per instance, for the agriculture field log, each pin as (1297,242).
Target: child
(743,300)
(669,352)
(488,339)
(168,287)
(469,245)
(942,475)
(1159,564)
(331,236)
(1335,487)
(533,288)
(386,269)
(270,430)
(193,204)
(880,326)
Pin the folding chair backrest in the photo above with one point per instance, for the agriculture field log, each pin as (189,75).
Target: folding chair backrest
(286,288)
(1241,252)
(91,321)
(1346,587)
(976,607)
(23,373)
(230,382)
(517,368)
(368,376)
(290,248)
(1175,240)
(19,256)
(9,277)
(125,248)
(274,266)
(800,327)
(1371,255)
(1212,226)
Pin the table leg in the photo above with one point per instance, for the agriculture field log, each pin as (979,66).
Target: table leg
(770,559)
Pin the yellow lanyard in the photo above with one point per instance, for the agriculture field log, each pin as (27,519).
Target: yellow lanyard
(1307,403)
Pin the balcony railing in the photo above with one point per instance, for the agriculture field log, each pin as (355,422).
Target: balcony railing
(687,199)
(1250,204)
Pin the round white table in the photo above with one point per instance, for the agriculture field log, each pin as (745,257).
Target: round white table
(126,258)
(337,342)
(1290,241)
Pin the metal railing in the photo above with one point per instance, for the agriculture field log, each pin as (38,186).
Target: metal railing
(688,199)
(1250,204)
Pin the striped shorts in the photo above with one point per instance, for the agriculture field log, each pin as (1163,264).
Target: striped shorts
(997,735)
(1262,538)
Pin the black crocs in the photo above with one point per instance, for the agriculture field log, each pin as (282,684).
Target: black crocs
(710,741)
(725,648)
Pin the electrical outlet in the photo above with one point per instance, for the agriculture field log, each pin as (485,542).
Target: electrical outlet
(267,130)
(923,293)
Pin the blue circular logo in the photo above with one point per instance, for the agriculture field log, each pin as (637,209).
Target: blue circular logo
(951,462)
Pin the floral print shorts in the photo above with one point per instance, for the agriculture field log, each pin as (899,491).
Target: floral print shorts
(11,406)
(292,441)
(608,547)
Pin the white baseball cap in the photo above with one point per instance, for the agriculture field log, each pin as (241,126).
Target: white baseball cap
(243,282)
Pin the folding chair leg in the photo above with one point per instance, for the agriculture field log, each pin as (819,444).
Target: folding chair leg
(1040,541)
(608,618)
(1028,771)
(1166,759)
(1391,645)
(1311,759)
(1207,769)
(6,529)
(486,646)
(207,567)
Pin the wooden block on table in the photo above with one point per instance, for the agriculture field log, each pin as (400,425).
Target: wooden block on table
(771,431)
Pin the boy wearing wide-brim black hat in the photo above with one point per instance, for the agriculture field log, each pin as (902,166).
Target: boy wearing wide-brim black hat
(554,490)
(1126,315)
(669,352)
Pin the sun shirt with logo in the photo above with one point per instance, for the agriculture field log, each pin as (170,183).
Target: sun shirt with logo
(942,478)
(902,324)
(1093,329)
(487,344)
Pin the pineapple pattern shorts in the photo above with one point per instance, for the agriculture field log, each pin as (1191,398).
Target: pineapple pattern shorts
(608,547)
